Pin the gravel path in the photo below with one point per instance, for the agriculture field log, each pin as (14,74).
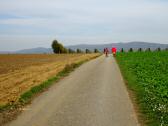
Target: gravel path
(92,95)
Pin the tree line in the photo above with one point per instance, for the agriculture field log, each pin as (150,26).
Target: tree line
(143,50)
(58,48)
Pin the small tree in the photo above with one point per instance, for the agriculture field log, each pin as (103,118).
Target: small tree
(87,51)
(131,50)
(71,51)
(122,50)
(158,49)
(140,50)
(148,50)
(78,51)
(96,51)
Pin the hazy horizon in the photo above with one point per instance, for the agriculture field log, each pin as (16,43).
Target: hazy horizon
(30,24)
(78,45)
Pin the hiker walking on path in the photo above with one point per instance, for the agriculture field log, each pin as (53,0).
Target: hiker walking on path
(106,52)
(114,50)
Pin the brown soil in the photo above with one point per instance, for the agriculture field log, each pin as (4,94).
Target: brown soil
(18,73)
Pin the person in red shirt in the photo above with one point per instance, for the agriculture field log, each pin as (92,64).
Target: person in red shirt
(114,50)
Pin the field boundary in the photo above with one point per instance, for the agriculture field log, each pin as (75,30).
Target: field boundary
(138,90)
(132,93)
(9,111)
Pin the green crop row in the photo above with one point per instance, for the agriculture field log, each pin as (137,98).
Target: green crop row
(147,75)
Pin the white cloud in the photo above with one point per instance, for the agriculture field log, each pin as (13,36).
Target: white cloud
(85,20)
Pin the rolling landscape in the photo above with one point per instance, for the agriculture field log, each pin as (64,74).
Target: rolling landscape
(23,76)
(100,47)
(83,63)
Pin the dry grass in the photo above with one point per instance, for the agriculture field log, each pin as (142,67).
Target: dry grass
(18,73)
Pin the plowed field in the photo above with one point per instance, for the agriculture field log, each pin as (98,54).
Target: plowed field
(18,73)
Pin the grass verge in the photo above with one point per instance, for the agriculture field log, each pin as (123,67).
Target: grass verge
(27,96)
(134,91)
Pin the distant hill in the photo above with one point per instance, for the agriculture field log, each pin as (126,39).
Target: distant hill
(39,50)
(4,52)
(126,46)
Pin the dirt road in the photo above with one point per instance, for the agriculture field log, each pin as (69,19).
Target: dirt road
(93,95)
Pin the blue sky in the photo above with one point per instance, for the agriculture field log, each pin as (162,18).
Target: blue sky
(34,23)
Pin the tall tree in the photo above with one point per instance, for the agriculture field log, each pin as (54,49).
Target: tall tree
(55,46)
(58,47)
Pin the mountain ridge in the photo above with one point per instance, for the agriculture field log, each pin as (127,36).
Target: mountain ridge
(100,47)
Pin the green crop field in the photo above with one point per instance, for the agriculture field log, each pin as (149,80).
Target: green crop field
(146,74)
